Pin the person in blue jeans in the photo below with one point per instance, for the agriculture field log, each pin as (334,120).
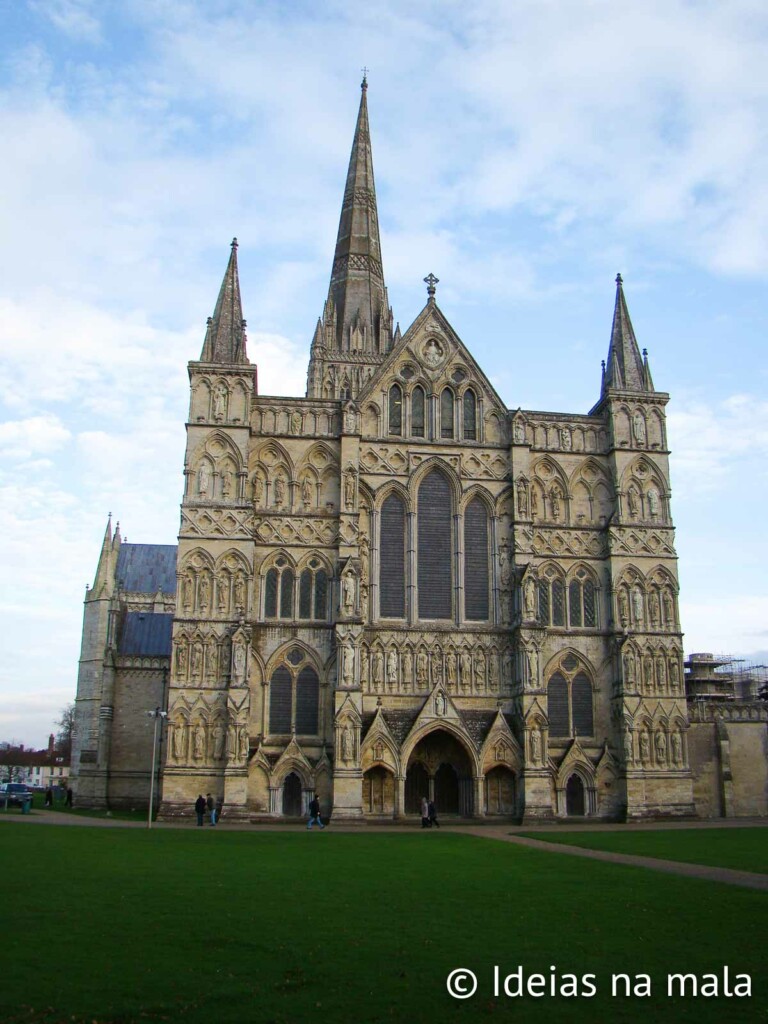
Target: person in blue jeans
(314,813)
(210,803)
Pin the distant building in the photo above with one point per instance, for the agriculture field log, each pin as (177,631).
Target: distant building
(38,768)
(398,587)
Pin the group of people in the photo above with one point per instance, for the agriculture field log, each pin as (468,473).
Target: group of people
(428,814)
(207,804)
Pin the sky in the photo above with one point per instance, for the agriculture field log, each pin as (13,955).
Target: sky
(525,151)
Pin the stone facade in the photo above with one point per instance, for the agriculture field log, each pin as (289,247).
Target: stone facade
(397,587)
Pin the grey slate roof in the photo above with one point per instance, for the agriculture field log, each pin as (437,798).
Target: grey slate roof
(147,568)
(146,634)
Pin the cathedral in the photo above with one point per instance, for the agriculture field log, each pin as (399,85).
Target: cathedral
(397,587)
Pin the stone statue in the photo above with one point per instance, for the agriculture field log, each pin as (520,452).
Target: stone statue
(638,423)
(654,608)
(203,479)
(177,746)
(629,668)
(364,557)
(348,593)
(532,656)
(505,571)
(534,503)
(364,668)
(529,597)
(231,742)
(422,669)
(522,498)
(437,668)
(219,401)
(654,505)
(279,490)
(240,591)
(198,742)
(674,676)
(441,704)
(519,432)
(238,663)
(407,667)
(628,758)
(197,659)
(243,751)
(348,665)
(226,483)
(347,744)
(378,670)
(661,747)
(450,672)
(555,497)
(181,658)
(258,490)
(535,746)
(295,422)
(637,604)
(669,610)
(623,607)
(186,592)
(493,673)
(645,747)
(349,489)
(306,491)
(677,748)
(661,673)
(465,666)
(507,668)
(218,742)
(392,670)
(480,670)
(565,439)
(203,592)
(221,595)
(648,673)
(633,501)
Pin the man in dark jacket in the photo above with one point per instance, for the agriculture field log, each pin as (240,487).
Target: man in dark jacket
(210,803)
(314,813)
(200,808)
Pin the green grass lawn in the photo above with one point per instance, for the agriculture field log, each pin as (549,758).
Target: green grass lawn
(121,925)
(744,849)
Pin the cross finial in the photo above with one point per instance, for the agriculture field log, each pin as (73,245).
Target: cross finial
(234,243)
(619,279)
(430,281)
(364,83)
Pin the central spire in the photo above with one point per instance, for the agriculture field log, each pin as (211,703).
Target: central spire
(355,330)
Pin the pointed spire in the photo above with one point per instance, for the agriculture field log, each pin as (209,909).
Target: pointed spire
(624,369)
(103,580)
(225,334)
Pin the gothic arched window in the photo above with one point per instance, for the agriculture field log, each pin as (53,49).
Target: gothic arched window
(582,605)
(313,588)
(470,416)
(278,591)
(569,700)
(551,599)
(417,412)
(294,696)
(435,551)
(476,602)
(395,409)
(446,413)
(392,558)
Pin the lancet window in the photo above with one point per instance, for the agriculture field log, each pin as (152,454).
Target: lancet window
(569,701)
(294,696)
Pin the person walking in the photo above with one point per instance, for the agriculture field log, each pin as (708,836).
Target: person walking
(49,797)
(425,812)
(314,814)
(200,808)
(68,802)
(210,803)
(432,815)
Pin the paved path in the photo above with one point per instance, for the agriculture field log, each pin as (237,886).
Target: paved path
(501,833)
(673,867)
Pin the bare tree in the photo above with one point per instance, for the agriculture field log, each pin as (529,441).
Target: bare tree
(65,724)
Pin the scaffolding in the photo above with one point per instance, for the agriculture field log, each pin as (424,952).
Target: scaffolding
(724,677)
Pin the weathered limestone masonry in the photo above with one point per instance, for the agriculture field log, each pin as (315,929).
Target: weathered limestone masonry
(398,588)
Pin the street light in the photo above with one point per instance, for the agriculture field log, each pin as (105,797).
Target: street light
(158,715)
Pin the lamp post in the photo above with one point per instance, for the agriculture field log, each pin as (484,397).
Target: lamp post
(158,715)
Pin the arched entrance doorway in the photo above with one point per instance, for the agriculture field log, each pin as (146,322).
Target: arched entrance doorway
(440,769)
(292,796)
(378,791)
(575,803)
(500,791)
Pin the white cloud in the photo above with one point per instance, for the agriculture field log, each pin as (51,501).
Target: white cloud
(38,435)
